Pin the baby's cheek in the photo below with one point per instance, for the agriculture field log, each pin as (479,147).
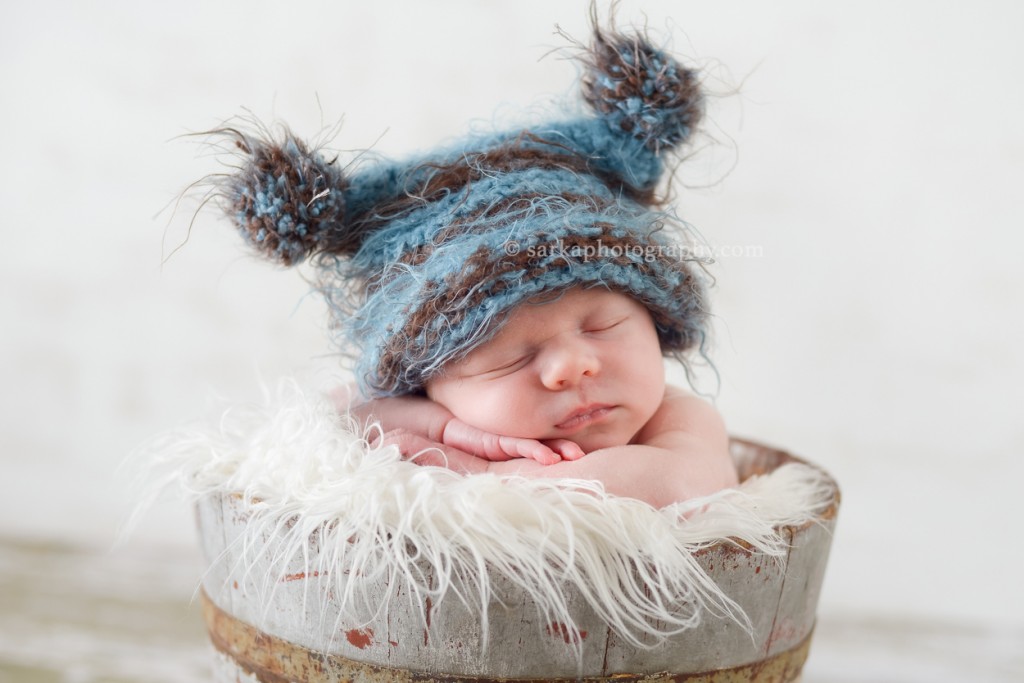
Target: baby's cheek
(506,412)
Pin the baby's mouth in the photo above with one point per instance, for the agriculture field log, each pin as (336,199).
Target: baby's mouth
(584,416)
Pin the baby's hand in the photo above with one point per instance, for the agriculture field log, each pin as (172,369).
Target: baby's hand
(544,452)
(496,447)
(422,451)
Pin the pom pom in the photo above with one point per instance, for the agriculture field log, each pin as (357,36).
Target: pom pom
(641,91)
(286,199)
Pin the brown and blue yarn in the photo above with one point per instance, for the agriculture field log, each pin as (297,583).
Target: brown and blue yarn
(422,260)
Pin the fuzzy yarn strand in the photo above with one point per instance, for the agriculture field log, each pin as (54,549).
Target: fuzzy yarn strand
(285,198)
(641,91)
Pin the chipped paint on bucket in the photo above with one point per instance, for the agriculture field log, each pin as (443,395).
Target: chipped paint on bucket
(303,634)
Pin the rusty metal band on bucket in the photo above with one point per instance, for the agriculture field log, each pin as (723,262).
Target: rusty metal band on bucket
(273,660)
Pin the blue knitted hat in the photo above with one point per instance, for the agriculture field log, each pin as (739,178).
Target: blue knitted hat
(422,260)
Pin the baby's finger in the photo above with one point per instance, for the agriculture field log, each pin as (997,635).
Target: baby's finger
(531,449)
(509,447)
(568,450)
(542,454)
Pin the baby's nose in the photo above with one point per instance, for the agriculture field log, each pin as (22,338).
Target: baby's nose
(567,366)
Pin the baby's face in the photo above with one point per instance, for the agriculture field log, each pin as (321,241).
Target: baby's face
(585,367)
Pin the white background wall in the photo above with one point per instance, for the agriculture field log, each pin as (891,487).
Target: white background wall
(871,150)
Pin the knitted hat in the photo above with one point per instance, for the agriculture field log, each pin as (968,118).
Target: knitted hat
(422,260)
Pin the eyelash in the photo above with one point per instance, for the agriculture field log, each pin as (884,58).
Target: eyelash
(513,365)
(604,327)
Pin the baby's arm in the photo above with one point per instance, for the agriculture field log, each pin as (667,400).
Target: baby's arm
(413,414)
(681,453)
(414,423)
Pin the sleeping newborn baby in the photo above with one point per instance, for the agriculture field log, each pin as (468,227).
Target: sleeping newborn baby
(509,297)
(571,386)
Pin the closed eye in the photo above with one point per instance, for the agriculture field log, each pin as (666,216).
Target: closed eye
(605,325)
(509,367)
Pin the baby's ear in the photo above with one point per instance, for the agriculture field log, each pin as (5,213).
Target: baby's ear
(641,91)
(286,199)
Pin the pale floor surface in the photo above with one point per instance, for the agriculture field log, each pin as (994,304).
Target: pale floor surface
(72,616)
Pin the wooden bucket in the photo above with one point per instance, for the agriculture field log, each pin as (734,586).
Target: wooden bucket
(779,598)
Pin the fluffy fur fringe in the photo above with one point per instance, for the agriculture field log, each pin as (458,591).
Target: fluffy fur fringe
(304,472)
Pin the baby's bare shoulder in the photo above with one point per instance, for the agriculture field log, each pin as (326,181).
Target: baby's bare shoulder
(681,411)
(681,404)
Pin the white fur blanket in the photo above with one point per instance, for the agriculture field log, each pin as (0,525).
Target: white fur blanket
(302,470)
